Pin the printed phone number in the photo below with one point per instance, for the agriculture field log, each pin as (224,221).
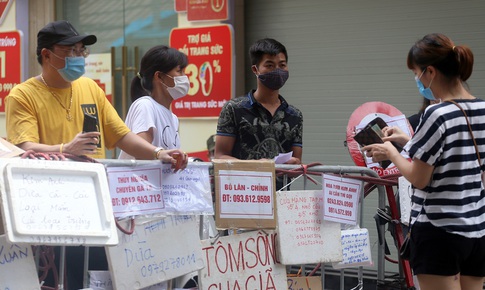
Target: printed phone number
(249,198)
(167,265)
(6,87)
(131,200)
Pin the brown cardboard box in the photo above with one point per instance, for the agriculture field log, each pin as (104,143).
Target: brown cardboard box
(248,184)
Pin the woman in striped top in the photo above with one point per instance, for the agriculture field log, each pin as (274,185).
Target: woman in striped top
(448,212)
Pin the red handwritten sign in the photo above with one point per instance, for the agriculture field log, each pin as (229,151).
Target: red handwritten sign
(244,261)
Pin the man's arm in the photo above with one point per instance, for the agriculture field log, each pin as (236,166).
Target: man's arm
(82,144)
(224,145)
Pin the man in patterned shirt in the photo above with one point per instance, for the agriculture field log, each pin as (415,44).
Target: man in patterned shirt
(261,124)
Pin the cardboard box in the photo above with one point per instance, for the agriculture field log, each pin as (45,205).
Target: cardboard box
(245,194)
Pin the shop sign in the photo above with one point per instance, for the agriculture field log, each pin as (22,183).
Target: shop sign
(210,69)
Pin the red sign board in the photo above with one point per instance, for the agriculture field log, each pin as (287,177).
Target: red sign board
(207,10)
(181,5)
(210,70)
(10,63)
(4,5)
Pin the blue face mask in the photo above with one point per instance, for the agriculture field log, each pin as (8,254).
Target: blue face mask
(425,92)
(74,68)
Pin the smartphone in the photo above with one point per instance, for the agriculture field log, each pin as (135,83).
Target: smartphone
(90,123)
(372,134)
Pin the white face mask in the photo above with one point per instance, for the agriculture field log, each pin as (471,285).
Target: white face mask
(181,88)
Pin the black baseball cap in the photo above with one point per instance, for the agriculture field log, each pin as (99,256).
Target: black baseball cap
(63,33)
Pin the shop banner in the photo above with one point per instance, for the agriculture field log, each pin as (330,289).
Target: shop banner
(210,70)
(10,63)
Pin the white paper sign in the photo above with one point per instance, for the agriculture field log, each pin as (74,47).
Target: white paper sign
(56,202)
(136,191)
(157,189)
(246,194)
(355,249)
(304,237)
(17,266)
(157,251)
(187,191)
(341,199)
(405,193)
(243,261)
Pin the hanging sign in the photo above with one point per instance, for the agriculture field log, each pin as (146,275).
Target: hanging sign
(10,62)
(210,70)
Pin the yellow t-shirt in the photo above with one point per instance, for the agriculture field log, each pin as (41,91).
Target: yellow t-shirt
(34,114)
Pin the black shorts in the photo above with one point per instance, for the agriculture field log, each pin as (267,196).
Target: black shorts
(436,252)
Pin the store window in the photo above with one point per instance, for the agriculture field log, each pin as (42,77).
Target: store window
(116,23)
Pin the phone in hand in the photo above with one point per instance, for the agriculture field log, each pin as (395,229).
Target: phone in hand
(372,134)
(90,123)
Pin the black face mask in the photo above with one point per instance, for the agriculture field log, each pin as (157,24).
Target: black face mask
(274,80)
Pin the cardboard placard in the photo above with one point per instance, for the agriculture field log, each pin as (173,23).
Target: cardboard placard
(304,237)
(245,194)
(157,251)
(244,261)
(305,283)
(56,203)
(17,266)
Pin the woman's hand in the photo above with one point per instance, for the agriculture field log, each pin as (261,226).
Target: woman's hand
(379,152)
(176,157)
(395,134)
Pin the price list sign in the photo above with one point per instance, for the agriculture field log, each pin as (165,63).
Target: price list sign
(210,69)
(10,63)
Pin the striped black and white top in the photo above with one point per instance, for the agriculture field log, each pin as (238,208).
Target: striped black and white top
(454,200)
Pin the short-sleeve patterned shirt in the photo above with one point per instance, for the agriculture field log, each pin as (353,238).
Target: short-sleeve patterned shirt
(259,134)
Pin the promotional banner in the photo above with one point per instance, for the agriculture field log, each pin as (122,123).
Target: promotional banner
(10,63)
(210,70)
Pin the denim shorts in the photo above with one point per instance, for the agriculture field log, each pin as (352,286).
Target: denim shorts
(436,252)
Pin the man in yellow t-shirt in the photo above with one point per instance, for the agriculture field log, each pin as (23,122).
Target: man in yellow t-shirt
(46,112)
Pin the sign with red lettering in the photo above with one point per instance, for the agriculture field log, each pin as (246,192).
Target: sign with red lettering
(180,5)
(210,70)
(135,191)
(341,198)
(10,63)
(207,10)
(4,6)
(245,197)
(244,261)
(304,237)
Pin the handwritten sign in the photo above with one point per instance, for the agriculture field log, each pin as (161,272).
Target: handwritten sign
(304,236)
(157,251)
(245,194)
(101,280)
(305,283)
(135,191)
(17,266)
(355,249)
(56,203)
(243,261)
(187,191)
(341,199)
